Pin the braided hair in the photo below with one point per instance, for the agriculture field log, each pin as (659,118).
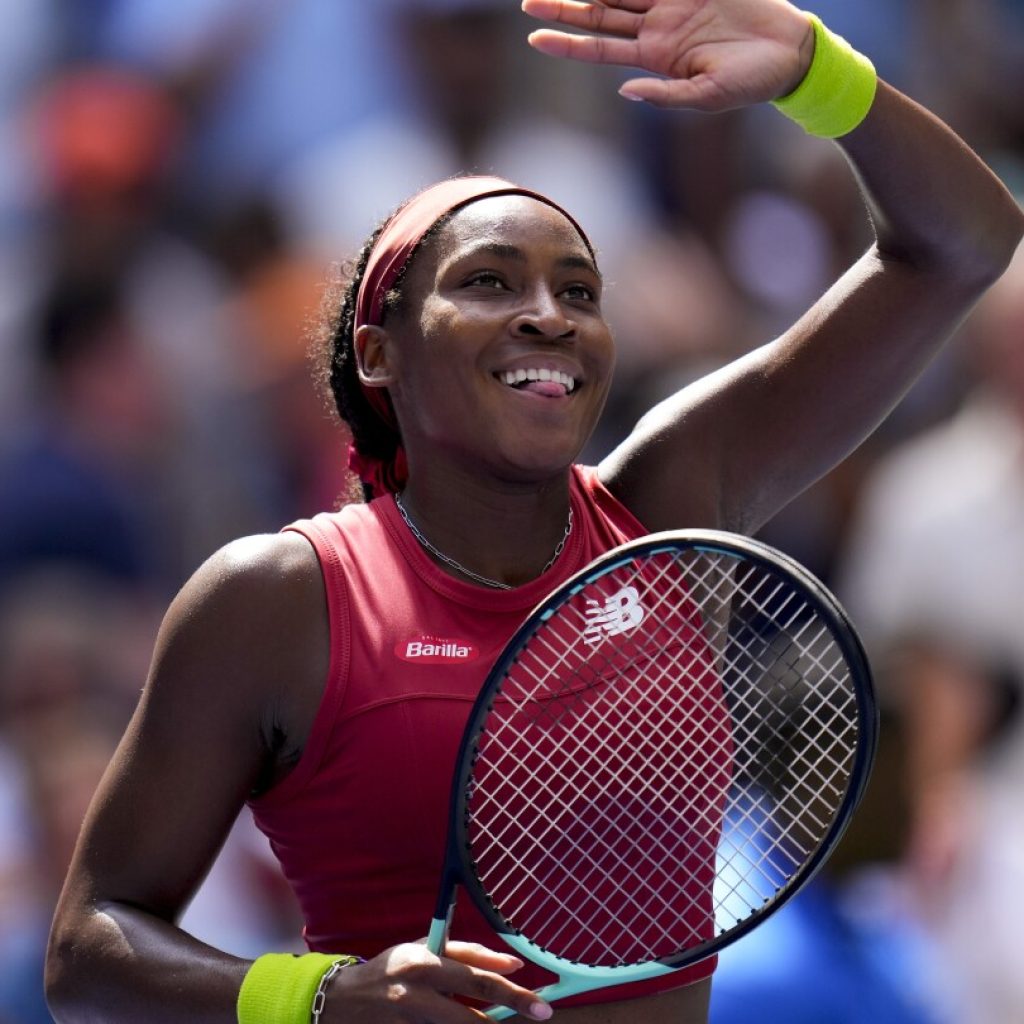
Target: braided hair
(336,372)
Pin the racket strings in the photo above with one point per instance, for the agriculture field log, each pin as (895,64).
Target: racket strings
(600,865)
(619,783)
(570,780)
(657,793)
(599,859)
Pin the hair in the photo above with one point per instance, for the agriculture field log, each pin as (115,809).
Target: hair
(335,372)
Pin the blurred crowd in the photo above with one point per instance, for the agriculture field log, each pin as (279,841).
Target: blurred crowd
(179,185)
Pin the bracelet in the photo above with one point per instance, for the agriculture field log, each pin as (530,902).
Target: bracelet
(280,988)
(320,996)
(837,91)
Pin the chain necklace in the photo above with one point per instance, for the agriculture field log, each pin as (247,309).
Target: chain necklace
(476,577)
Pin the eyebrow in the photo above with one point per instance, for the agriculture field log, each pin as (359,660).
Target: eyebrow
(503,250)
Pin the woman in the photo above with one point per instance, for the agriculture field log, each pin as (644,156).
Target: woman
(473,335)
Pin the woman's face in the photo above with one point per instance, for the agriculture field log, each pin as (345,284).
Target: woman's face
(501,358)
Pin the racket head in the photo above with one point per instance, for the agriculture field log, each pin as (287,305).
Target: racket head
(743,723)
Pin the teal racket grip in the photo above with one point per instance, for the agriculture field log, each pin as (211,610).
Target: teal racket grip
(573,978)
(437,936)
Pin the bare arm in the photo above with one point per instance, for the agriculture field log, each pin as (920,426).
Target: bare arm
(732,449)
(236,680)
(196,747)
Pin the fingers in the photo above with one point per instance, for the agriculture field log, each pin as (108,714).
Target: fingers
(592,49)
(414,984)
(707,56)
(605,19)
(475,955)
(640,6)
(697,93)
(488,987)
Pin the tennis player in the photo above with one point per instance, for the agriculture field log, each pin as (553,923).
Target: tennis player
(324,674)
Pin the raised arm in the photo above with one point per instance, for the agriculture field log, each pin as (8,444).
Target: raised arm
(732,449)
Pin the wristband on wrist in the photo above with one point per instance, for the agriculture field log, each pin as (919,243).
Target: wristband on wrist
(837,91)
(282,988)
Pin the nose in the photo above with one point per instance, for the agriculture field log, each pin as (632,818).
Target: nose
(543,316)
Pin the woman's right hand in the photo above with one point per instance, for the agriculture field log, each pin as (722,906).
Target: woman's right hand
(408,984)
(707,55)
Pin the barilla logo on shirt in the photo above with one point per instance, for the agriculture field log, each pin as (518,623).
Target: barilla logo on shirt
(435,650)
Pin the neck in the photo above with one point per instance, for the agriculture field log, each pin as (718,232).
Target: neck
(506,534)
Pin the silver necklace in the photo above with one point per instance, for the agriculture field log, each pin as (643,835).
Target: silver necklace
(476,577)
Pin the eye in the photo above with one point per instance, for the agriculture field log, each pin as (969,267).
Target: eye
(580,293)
(485,279)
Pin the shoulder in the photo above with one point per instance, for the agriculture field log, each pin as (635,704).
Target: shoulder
(252,615)
(250,573)
(274,558)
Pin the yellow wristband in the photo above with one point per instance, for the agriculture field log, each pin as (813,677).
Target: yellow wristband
(837,91)
(279,987)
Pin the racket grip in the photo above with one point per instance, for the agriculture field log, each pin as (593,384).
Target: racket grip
(437,936)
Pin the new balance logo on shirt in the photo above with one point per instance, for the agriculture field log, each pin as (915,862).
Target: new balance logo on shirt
(616,614)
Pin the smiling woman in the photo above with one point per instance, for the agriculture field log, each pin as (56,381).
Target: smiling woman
(324,674)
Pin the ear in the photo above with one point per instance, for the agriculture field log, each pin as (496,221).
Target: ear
(374,356)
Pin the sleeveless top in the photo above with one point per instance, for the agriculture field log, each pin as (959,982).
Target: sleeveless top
(359,824)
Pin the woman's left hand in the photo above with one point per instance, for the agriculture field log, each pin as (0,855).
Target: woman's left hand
(714,54)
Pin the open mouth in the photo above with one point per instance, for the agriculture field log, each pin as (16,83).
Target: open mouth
(552,383)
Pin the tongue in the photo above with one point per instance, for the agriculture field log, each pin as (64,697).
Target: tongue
(545,387)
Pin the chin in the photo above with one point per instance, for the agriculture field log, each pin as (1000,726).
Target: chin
(537,464)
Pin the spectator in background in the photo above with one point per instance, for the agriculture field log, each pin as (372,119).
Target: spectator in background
(934,575)
(75,482)
(106,143)
(97,146)
(109,458)
(274,290)
(29,47)
(972,67)
(262,78)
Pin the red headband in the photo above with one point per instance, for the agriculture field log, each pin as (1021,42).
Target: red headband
(391,252)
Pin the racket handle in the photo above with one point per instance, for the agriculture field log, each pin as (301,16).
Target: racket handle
(437,937)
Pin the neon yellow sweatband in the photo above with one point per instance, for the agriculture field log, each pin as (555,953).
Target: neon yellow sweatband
(837,91)
(279,987)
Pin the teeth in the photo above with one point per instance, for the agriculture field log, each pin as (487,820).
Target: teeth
(512,377)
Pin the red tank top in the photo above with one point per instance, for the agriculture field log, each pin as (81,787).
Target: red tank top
(359,825)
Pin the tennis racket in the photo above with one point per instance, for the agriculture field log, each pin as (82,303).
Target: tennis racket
(665,752)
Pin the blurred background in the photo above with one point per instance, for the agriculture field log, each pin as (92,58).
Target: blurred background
(179,182)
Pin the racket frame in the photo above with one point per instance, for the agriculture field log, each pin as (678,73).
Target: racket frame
(575,978)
